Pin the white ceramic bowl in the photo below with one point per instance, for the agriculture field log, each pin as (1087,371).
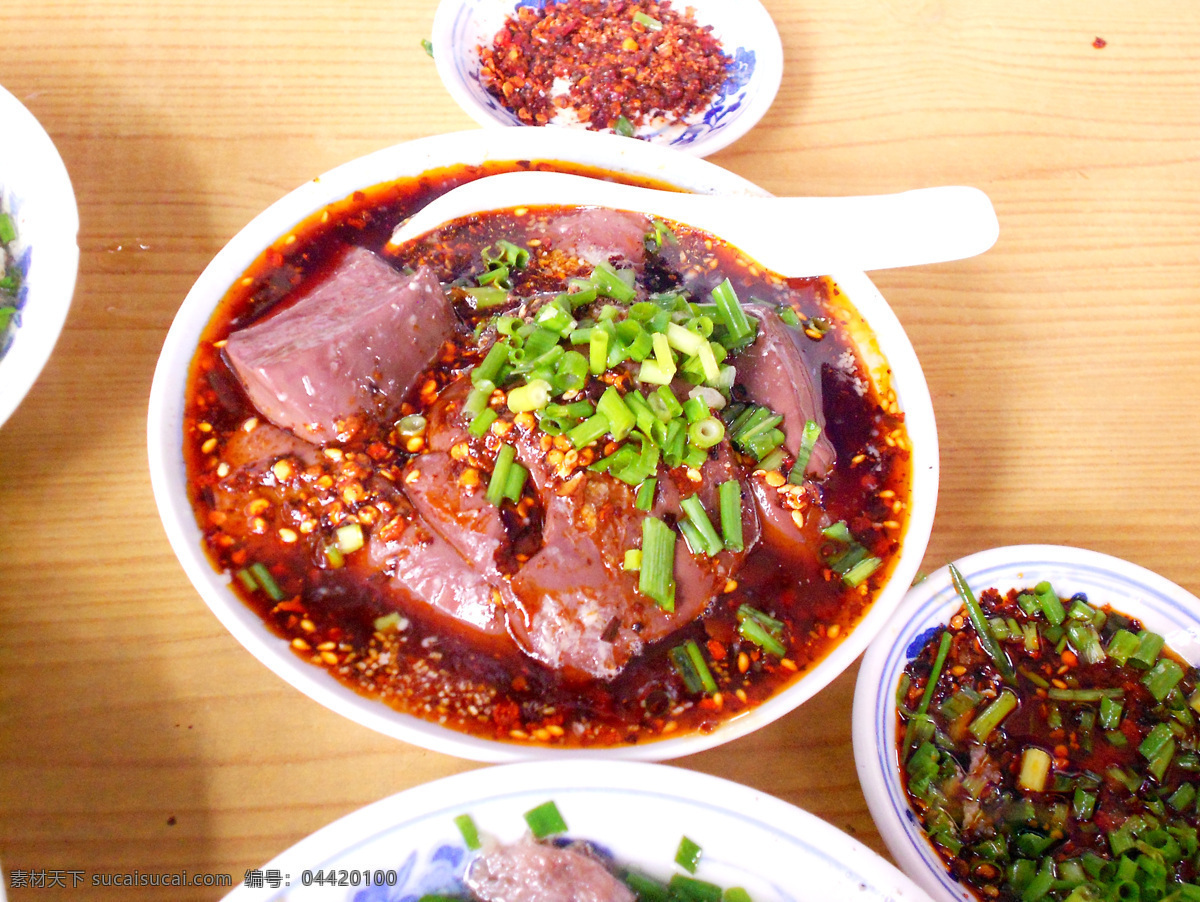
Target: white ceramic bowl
(744,28)
(1161,605)
(165,425)
(36,191)
(638,812)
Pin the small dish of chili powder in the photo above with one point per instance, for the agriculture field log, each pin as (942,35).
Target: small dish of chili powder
(696,76)
(1027,727)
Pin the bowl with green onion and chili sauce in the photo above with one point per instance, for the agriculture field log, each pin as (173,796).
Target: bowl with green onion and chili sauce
(695,76)
(541,481)
(1027,727)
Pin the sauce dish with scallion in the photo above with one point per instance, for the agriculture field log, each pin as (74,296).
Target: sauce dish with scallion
(1027,729)
(551,478)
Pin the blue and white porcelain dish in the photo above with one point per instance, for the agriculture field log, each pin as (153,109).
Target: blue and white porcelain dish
(745,30)
(637,812)
(36,192)
(1159,604)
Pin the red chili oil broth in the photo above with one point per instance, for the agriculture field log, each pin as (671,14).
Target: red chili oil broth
(434,669)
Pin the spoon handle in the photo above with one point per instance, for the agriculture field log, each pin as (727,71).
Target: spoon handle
(794,236)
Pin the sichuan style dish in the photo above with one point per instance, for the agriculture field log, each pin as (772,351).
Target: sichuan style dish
(1051,751)
(570,476)
(607,64)
(10,282)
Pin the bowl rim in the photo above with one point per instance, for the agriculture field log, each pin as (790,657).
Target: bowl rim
(769,64)
(165,431)
(584,783)
(44,314)
(1163,605)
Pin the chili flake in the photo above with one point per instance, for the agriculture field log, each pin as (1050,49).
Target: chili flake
(604,60)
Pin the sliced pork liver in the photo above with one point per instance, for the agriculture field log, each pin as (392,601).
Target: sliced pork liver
(354,343)
(574,606)
(599,236)
(774,374)
(529,871)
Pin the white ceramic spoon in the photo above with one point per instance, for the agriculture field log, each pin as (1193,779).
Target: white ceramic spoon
(794,236)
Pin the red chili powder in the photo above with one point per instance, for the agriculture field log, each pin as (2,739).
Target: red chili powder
(611,58)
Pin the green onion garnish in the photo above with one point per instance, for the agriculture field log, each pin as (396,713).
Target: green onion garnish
(545,820)
(986,639)
(808,440)
(733,317)
(698,517)
(650,22)
(657,577)
(623,127)
(498,484)
(267,582)
(470,834)
(730,495)
(992,716)
(529,397)
(687,856)
(645,494)
(1162,678)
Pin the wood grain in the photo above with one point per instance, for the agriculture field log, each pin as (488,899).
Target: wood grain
(135,734)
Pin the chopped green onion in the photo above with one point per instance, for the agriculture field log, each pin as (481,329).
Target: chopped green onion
(808,440)
(1084,639)
(751,628)
(1035,768)
(611,283)
(598,352)
(246,578)
(730,498)
(992,716)
(731,314)
(623,127)
(689,889)
(482,423)
(8,231)
(1162,678)
(349,538)
(633,560)
(266,581)
(389,622)
(545,820)
(1110,713)
(706,432)
(1083,804)
(620,419)
(1150,646)
(645,494)
(590,430)
(651,24)
(656,579)
(698,517)
(411,425)
(498,484)
(514,485)
(1050,603)
(698,662)
(687,856)
(857,574)
(470,833)
(487,296)
(1122,646)
(986,639)
(491,365)
(736,894)
(529,397)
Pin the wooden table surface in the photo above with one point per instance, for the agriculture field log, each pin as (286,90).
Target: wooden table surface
(136,734)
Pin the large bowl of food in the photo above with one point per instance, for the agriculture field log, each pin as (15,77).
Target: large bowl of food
(544,481)
(1025,728)
(39,256)
(609,830)
(695,76)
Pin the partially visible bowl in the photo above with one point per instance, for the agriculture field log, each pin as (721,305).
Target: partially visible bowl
(36,191)
(1159,604)
(408,846)
(165,428)
(745,30)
